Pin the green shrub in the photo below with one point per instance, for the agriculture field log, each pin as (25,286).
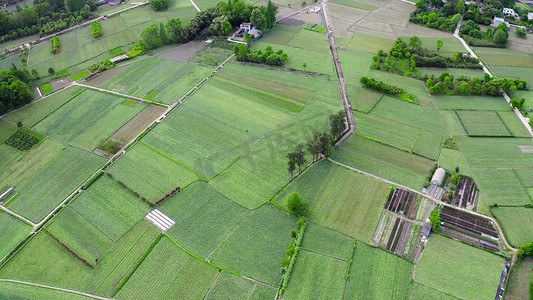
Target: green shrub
(296,204)
(96,30)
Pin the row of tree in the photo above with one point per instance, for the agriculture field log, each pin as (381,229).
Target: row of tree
(380,86)
(55,45)
(14,90)
(268,57)
(486,86)
(318,144)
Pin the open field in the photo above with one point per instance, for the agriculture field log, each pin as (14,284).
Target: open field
(519,281)
(266,234)
(482,123)
(340,199)
(390,163)
(316,277)
(453,267)
(190,209)
(12,233)
(46,175)
(516,223)
(376,274)
(327,241)
(149,173)
(422,292)
(102,214)
(88,119)
(229,286)
(172,274)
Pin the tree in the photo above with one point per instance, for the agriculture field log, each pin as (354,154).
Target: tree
(291,167)
(19,124)
(304,65)
(299,157)
(159,5)
(460,7)
(440,43)
(175,30)
(35,74)
(415,42)
(463,88)
(296,204)
(258,19)
(521,33)
(163,34)
(150,37)
(500,37)
(270,14)
(225,27)
(337,124)
(434,218)
(51,71)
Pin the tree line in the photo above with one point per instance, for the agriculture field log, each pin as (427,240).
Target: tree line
(14,90)
(45,17)
(380,86)
(486,86)
(268,57)
(319,144)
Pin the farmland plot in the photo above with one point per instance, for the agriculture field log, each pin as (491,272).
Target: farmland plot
(450,159)
(516,223)
(452,266)
(316,277)
(455,102)
(519,280)
(340,199)
(204,217)
(149,173)
(137,124)
(12,233)
(88,119)
(482,123)
(376,274)
(327,241)
(229,286)
(266,234)
(423,292)
(501,187)
(47,175)
(172,274)
(513,123)
(10,290)
(384,161)
(496,153)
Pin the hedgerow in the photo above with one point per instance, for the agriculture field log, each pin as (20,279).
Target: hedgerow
(95,28)
(55,45)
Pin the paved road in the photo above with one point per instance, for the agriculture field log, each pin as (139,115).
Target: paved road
(54,288)
(342,86)
(435,200)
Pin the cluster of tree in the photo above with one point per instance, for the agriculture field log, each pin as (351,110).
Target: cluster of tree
(485,86)
(458,60)
(159,5)
(102,66)
(434,218)
(525,250)
(237,12)
(318,144)
(398,60)
(491,9)
(519,104)
(443,17)
(268,57)
(380,86)
(497,36)
(14,91)
(520,33)
(45,17)
(56,45)
(296,204)
(220,26)
(95,28)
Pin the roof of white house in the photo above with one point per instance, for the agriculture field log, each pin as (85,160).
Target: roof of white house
(530,16)
(438,177)
(498,19)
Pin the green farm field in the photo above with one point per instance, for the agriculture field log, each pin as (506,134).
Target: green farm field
(172,273)
(88,119)
(495,152)
(322,240)
(376,274)
(423,292)
(13,232)
(482,123)
(149,173)
(340,199)
(102,214)
(384,161)
(230,286)
(451,266)
(516,223)
(477,103)
(46,175)
(519,280)
(316,277)
(195,204)
(11,290)
(504,57)
(501,186)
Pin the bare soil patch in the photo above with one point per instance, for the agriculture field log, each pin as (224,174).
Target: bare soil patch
(137,124)
(183,52)
(60,83)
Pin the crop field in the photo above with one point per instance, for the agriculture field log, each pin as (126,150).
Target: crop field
(501,186)
(229,286)
(513,123)
(422,292)
(450,159)
(46,175)
(452,266)
(384,161)
(455,102)
(12,233)
(172,274)
(482,123)
(340,199)
(88,119)
(102,215)
(195,204)
(369,43)
(317,277)
(266,234)
(6,130)
(136,125)
(171,78)
(516,223)
(412,86)
(360,5)
(496,153)
(46,88)
(150,173)
(80,75)
(327,241)
(9,156)
(376,274)
(11,290)
(519,280)
(504,57)
(38,110)
(363,100)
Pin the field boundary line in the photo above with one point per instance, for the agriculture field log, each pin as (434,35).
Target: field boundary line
(212,284)
(118,94)
(429,286)
(323,254)
(53,288)
(259,282)
(231,233)
(435,200)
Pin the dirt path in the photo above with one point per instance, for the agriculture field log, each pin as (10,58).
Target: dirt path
(9,211)
(116,93)
(195,6)
(53,288)
(437,201)
(342,86)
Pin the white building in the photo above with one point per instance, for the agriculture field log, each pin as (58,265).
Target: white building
(530,16)
(497,21)
(509,12)
(438,176)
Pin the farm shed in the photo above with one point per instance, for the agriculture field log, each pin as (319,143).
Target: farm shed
(438,176)
(426,229)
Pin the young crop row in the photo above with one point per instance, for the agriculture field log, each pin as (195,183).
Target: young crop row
(23,140)
(150,95)
(96,30)
(55,45)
